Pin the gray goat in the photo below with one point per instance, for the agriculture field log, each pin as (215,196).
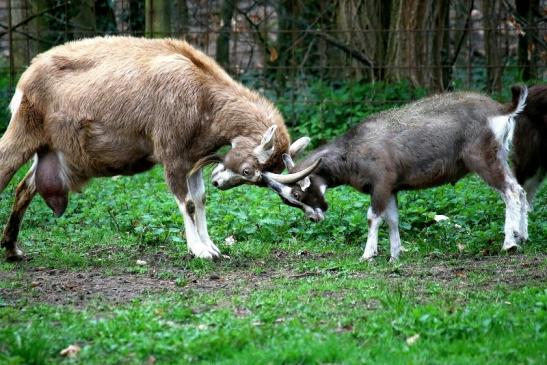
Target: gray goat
(431,142)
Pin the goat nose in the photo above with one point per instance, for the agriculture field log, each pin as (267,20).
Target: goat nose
(215,184)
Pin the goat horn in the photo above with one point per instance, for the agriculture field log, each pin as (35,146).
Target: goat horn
(215,158)
(292,178)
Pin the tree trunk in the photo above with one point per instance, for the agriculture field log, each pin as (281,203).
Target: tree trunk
(158,20)
(223,40)
(38,26)
(492,45)
(19,42)
(527,52)
(183,22)
(406,46)
(360,23)
(136,17)
(83,22)
(105,17)
(440,48)
(285,10)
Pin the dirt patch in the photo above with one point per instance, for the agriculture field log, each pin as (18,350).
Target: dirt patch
(480,272)
(81,288)
(78,289)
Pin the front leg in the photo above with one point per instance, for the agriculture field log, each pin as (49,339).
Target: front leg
(379,201)
(176,176)
(374,222)
(196,190)
(392,218)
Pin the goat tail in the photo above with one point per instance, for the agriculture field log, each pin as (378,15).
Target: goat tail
(520,94)
(20,141)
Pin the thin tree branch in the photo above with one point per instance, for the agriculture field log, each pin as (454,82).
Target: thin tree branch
(464,33)
(30,18)
(358,55)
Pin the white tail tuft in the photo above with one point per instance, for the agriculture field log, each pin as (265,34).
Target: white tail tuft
(503,126)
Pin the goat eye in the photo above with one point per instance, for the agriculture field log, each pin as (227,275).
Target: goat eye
(296,195)
(245,172)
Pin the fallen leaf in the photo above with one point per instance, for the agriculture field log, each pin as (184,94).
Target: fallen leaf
(141,262)
(440,218)
(70,351)
(151,360)
(230,240)
(273,54)
(412,339)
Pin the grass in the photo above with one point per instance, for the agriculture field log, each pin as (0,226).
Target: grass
(292,291)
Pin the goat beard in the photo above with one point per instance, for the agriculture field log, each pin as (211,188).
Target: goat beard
(204,161)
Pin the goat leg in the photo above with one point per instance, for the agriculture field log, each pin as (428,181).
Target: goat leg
(189,195)
(23,196)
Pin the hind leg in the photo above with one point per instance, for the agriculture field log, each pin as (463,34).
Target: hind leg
(21,140)
(23,196)
(493,169)
(392,218)
(532,184)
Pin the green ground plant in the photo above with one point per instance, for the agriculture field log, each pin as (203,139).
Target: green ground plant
(113,276)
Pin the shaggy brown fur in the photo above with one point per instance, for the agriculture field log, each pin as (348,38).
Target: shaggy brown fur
(529,153)
(120,105)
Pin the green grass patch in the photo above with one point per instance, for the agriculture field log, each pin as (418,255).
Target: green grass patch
(292,291)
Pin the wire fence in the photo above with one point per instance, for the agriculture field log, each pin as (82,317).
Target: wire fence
(309,55)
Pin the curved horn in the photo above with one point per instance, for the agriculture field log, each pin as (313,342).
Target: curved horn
(287,160)
(205,161)
(297,176)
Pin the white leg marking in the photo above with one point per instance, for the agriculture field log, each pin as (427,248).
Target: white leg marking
(392,218)
(513,213)
(31,182)
(196,190)
(371,248)
(195,245)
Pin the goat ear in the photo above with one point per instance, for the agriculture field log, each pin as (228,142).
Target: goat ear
(298,146)
(304,183)
(266,147)
(289,163)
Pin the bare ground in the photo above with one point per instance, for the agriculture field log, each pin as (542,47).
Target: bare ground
(81,288)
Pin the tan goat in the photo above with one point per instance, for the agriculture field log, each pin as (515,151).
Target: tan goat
(120,105)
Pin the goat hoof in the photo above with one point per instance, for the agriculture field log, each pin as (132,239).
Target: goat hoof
(205,252)
(14,255)
(511,249)
(368,259)
(393,259)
